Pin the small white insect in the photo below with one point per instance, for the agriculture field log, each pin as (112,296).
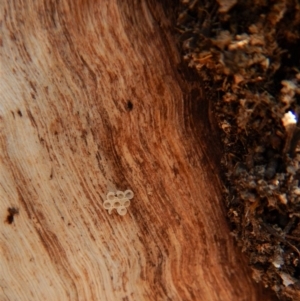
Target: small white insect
(119,201)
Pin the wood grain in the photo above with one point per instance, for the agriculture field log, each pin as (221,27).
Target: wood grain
(94,98)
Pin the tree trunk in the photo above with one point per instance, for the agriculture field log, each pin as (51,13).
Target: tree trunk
(94,99)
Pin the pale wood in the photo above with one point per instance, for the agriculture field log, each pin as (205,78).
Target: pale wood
(68,134)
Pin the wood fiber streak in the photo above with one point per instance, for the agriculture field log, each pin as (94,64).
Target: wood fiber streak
(92,100)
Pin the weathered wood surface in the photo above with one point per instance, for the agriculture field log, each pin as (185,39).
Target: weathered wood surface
(92,98)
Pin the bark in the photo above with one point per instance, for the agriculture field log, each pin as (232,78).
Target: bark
(94,99)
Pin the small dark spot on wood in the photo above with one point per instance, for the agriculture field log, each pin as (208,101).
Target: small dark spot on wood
(12,211)
(175,171)
(31,118)
(51,174)
(84,135)
(129,105)
(13,114)
(69,224)
(20,113)
(13,37)
(33,86)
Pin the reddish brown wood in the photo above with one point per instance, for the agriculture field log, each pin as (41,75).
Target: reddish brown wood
(94,98)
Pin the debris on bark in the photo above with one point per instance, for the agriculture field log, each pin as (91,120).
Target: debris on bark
(249,51)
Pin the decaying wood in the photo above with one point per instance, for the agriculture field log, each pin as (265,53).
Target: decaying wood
(93,98)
